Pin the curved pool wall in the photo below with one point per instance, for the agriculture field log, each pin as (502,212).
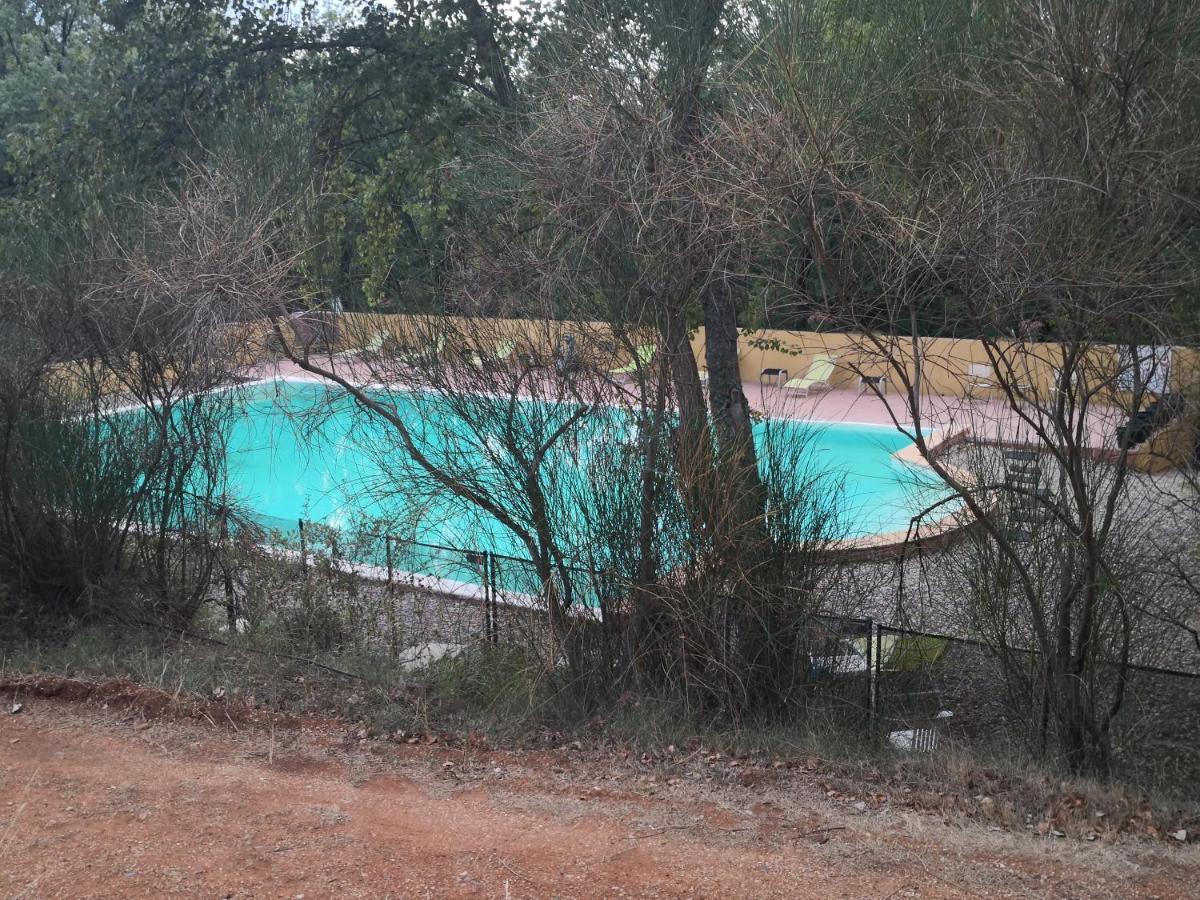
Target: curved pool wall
(301,450)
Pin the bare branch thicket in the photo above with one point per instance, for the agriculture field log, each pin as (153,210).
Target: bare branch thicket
(611,213)
(115,464)
(1031,201)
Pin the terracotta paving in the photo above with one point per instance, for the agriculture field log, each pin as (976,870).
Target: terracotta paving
(990,420)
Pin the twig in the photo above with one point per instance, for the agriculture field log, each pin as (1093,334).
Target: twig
(667,828)
(822,830)
(514,870)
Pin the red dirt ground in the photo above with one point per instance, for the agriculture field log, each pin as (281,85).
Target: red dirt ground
(95,801)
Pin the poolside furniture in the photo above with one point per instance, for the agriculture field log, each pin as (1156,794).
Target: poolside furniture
(817,377)
(502,353)
(766,376)
(901,652)
(872,383)
(530,359)
(980,377)
(566,355)
(641,358)
(373,345)
(1029,498)
(424,354)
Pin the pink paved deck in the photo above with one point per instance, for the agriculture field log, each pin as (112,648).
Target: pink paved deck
(990,421)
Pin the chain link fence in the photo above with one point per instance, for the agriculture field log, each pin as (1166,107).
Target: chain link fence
(931,688)
(918,689)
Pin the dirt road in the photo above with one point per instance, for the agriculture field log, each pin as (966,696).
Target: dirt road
(94,803)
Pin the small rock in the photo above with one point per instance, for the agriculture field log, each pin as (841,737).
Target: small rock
(861,806)
(1181,835)
(16,708)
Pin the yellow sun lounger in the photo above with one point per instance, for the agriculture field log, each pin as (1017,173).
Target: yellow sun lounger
(817,377)
(426,355)
(641,358)
(503,351)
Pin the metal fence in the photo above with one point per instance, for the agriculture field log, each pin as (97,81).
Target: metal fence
(917,688)
(929,688)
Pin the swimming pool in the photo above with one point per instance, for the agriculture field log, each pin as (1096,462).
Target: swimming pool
(301,450)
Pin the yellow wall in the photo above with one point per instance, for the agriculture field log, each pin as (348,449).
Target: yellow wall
(595,341)
(945,362)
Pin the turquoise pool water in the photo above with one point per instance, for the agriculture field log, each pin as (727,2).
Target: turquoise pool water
(298,451)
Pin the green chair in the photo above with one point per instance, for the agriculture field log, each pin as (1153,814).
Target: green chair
(641,358)
(818,376)
(902,652)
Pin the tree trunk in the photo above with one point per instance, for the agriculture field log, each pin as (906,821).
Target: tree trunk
(737,456)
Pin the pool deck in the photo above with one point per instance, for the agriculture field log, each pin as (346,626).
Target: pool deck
(945,419)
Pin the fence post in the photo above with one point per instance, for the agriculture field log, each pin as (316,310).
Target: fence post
(878,651)
(870,673)
(231,610)
(393,635)
(493,623)
(303,551)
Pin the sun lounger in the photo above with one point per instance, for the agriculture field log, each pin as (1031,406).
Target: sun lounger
(641,357)
(502,352)
(820,371)
(424,354)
